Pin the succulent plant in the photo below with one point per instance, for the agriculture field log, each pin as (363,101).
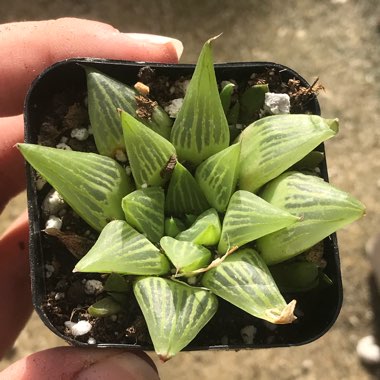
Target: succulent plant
(204,210)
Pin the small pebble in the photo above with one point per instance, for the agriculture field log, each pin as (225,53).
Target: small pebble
(93,287)
(174,106)
(53,203)
(40,182)
(368,350)
(63,146)
(80,328)
(91,340)
(59,296)
(80,134)
(277,104)
(248,334)
(53,222)
(49,270)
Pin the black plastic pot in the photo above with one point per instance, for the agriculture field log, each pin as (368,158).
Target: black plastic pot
(319,308)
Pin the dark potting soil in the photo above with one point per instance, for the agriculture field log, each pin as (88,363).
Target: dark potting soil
(66,297)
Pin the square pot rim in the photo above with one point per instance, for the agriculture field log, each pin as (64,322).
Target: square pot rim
(35,233)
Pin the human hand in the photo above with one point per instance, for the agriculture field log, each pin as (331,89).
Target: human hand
(25,50)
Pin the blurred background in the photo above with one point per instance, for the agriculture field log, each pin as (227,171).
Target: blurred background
(336,40)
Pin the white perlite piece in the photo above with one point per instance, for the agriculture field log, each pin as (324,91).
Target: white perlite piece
(49,270)
(52,203)
(80,328)
(276,104)
(80,134)
(248,334)
(173,108)
(53,222)
(368,351)
(91,340)
(63,146)
(93,287)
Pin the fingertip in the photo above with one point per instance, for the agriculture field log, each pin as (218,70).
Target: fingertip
(79,363)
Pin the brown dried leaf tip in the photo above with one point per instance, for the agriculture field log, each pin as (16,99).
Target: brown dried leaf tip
(77,245)
(169,167)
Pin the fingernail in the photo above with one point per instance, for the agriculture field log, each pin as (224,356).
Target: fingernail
(123,366)
(159,40)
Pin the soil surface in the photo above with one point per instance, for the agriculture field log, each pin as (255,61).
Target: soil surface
(336,40)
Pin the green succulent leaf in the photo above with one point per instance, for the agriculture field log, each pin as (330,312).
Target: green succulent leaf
(233,118)
(116,283)
(104,308)
(121,249)
(174,312)
(273,144)
(323,209)
(185,255)
(226,95)
(144,210)
(296,276)
(217,176)
(184,195)
(205,230)
(248,218)
(149,153)
(105,96)
(251,102)
(173,226)
(201,129)
(93,185)
(244,280)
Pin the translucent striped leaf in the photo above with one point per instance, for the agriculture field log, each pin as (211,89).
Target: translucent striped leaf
(185,255)
(201,129)
(251,102)
(323,209)
(105,96)
(217,176)
(144,210)
(249,217)
(93,185)
(149,153)
(205,230)
(273,144)
(121,249)
(174,312)
(244,280)
(184,195)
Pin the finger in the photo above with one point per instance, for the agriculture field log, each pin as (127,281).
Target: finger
(80,364)
(12,164)
(15,304)
(27,48)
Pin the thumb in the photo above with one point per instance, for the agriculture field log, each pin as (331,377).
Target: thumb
(80,364)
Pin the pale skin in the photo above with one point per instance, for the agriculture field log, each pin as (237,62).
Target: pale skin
(25,50)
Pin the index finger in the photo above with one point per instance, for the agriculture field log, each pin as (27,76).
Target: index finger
(27,48)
